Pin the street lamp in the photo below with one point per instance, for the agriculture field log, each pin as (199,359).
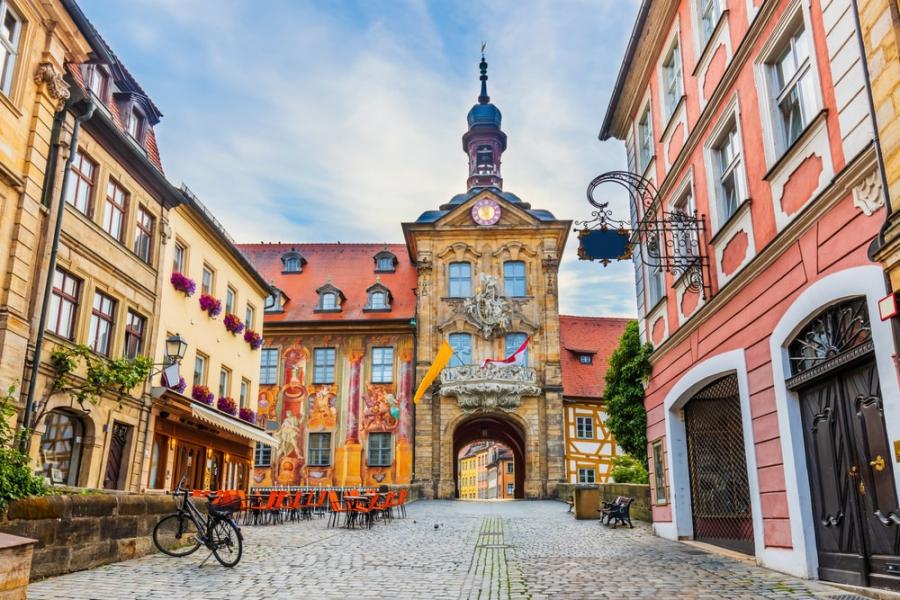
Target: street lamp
(175,348)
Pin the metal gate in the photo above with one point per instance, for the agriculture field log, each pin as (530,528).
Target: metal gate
(720,493)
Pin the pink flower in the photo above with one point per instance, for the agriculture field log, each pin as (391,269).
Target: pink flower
(247,415)
(183,284)
(210,305)
(227,405)
(233,323)
(201,393)
(254,339)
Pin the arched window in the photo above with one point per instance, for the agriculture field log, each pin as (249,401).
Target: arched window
(61,447)
(462,349)
(385,262)
(292,262)
(329,301)
(460,279)
(514,278)
(834,332)
(330,298)
(377,300)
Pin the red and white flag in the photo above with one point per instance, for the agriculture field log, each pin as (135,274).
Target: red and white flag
(516,358)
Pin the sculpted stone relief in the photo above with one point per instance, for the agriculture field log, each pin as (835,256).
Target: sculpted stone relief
(489,388)
(488,310)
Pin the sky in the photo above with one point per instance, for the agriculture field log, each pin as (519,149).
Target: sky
(297,121)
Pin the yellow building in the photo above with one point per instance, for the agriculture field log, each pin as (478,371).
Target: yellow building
(468,476)
(487,267)
(880,23)
(212,448)
(586,345)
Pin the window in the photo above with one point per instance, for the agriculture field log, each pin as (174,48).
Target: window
(378,301)
(709,15)
(382,365)
(727,162)
(510,467)
(136,125)
(63,305)
(263,455)
(178,257)
(81,183)
(134,334)
(9,45)
(61,447)
(207,281)
(268,370)
(656,284)
(462,349)
(659,474)
(273,302)
(514,341)
(319,449)
(245,391)
(514,278)
(292,262)
(329,301)
(385,262)
(586,359)
(684,243)
(200,369)
(586,475)
(510,489)
(460,279)
(584,428)
(673,87)
(102,315)
(792,92)
(230,298)
(143,234)
(323,365)
(249,316)
(645,138)
(98,81)
(114,213)
(380,449)
(224,382)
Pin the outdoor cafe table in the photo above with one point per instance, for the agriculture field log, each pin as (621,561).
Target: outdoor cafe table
(354,501)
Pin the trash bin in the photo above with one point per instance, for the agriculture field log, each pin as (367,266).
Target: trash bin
(587,502)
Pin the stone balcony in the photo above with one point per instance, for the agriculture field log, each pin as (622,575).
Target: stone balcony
(489,388)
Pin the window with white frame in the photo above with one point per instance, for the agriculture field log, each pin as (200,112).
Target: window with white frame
(645,138)
(136,126)
(584,428)
(709,12)
(10,31)
(587,475)
(673,86)
(727,161)
(245,393)
(268,366)
(98,81)
(791,80)
(683,239)
(323,365)
(382,365)
(656,280)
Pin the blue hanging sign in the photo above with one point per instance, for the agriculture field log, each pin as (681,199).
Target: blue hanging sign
(605,245)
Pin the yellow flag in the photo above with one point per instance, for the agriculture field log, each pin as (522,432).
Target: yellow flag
(440,361)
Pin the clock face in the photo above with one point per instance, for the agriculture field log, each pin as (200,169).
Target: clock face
(486,212)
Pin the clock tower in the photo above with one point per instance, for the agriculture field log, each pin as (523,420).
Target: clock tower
(487,266)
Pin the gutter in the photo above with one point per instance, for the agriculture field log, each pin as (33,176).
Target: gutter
(624,70)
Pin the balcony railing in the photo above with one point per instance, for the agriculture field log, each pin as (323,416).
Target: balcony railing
(489,388)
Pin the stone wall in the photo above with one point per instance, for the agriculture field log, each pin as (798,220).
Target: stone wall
(76,532)
(640,509)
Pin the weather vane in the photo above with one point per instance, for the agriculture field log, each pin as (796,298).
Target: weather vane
(483,46)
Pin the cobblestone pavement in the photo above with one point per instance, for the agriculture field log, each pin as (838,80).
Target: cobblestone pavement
(483,550)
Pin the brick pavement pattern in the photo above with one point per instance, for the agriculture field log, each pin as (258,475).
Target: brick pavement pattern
(480,550)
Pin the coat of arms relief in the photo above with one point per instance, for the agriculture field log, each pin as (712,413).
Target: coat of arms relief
(488,310)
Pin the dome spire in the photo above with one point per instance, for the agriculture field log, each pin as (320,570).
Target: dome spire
(483,98)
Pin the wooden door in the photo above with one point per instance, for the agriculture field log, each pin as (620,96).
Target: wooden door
(190,462)
(116,458)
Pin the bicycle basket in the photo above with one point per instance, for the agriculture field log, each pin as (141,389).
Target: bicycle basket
(226,504)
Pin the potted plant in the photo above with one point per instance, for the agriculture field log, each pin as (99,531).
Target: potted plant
(183,284)
(227,405)
(233,323)
(201,393)
(254,339)
(248,415)
(210,305)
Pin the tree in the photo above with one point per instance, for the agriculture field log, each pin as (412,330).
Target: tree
(16,477)
(628,469)
(629,369)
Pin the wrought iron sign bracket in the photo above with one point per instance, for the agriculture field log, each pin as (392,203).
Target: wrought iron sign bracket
(673,241)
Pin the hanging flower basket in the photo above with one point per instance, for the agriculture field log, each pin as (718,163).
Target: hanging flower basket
(233,323)
(201,393)
(254,339)
(178,387)
(227,405)
(210,305)
(183,284)
(248,415)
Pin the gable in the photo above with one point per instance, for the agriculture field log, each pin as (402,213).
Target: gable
(511,214)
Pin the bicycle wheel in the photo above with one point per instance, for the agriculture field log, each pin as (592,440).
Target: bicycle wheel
(225,542)
(176,535)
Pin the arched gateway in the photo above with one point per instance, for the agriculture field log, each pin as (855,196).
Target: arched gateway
(487,267)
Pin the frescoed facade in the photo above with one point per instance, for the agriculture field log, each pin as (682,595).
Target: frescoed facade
(586,345)
(336,379)
(753,116)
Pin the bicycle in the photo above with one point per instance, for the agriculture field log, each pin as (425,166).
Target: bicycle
(179,534)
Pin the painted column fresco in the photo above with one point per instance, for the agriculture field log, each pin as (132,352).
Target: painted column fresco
(348,458)
(405,430)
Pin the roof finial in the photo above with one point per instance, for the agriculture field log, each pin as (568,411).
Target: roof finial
(483,98)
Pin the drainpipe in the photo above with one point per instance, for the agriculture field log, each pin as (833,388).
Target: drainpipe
(25,442)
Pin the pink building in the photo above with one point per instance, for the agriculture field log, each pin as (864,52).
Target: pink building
(774,391)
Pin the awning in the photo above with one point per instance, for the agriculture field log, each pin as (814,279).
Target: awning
(236,427)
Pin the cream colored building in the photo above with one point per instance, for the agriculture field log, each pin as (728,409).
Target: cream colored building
(213,449)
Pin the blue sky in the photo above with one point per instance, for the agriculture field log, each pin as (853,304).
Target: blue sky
(326,121)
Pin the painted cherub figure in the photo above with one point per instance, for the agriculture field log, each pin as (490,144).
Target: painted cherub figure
(322,414)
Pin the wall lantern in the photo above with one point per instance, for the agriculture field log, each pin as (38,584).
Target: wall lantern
(175,348)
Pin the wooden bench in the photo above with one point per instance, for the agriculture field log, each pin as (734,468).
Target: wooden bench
(617,512)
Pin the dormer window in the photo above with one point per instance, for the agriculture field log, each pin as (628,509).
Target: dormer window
(385,262)
(585,359)
(98,82)
(274,301)
(379,298)
(330,299)
(292,262)
(136,125)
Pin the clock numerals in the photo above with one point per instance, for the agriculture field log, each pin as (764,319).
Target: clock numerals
(486,212)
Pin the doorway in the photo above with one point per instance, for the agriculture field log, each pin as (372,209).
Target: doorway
(492,428)
(115,466)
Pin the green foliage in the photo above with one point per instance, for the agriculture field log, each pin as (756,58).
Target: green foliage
(628,469)
(629,369)
(16,478)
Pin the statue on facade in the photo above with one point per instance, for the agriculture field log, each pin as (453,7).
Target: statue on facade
(488,310)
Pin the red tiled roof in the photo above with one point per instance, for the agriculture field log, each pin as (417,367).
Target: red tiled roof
(348,267)
(598,336)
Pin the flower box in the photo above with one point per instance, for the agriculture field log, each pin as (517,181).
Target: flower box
(183,284)
(248,415)
(201,393)
(210,305)
(227,405)
(233,323)
(254,339)
(178,387)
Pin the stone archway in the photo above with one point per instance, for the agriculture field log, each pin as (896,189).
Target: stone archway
(495,427)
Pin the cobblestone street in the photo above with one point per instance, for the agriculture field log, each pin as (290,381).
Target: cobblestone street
(479,550)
